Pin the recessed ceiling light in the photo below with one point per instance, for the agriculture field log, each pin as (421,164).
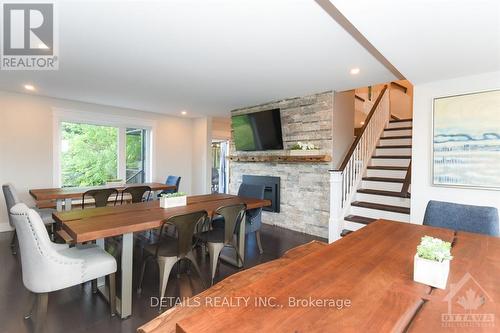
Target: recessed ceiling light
(29,87)
(184,113)
(354,71)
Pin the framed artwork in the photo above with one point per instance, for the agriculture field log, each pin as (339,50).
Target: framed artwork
(466,140)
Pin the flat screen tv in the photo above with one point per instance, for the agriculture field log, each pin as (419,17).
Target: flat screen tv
(258,131)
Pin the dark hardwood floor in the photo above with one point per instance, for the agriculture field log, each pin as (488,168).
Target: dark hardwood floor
(76,309)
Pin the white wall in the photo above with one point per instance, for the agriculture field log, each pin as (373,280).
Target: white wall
(201,149)
(422,191)
(26,143)
(343,125)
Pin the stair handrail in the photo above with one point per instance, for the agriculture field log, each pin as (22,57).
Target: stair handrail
(348,175)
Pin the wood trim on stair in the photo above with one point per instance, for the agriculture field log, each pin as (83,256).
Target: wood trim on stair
(400,86)
(382,192)
(404,157)
(393,146)
(384,179)
(398,128)
(359,219)
(399,120)
(365,125)
(395,137)
(387,208)
(382,167)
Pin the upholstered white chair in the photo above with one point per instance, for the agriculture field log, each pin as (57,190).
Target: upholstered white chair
(11,199)
(47,266)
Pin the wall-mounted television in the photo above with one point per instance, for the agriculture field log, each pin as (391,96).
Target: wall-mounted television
(258,131)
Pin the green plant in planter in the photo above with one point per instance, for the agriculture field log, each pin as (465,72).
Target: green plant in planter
(173,195)
(434,249)
(303,146)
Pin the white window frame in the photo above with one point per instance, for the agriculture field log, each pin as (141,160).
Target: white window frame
(102,119)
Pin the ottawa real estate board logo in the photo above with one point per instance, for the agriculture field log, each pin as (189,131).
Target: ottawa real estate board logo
(29,38)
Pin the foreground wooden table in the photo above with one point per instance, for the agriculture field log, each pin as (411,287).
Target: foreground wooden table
(100,223)
(67,194)
(369,273)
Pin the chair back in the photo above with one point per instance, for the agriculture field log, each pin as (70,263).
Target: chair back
(175,181)
(137,193)
(43,268)
(252,191)
(185,226)
(478,219)
(233,215)
(11,199)
(100,196)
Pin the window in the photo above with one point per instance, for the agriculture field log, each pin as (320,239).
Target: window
(93,151)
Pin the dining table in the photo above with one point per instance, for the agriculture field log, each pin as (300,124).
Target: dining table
(64,196)
(97,224)
(360,283)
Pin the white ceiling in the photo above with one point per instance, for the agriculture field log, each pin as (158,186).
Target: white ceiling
(206,56)
(428,40)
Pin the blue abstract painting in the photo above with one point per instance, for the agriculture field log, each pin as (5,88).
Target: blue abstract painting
(466,143)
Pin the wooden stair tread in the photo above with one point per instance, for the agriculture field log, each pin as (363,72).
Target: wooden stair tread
(359,219)
(388,208)
(400,120)
(393,156)
(396,137)
(382,167)
(393,146)
(384,193)
(345,232)
(398,128)
(384,179)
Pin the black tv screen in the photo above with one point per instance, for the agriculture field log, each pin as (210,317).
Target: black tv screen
(258,131)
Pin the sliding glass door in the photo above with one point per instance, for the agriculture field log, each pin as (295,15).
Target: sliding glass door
(136,155)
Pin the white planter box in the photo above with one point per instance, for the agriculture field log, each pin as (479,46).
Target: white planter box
(300,152)
(430,272)
(173,202)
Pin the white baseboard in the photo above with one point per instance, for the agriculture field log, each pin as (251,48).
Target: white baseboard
(5,226)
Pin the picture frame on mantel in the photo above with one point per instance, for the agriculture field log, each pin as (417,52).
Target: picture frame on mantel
(466,140)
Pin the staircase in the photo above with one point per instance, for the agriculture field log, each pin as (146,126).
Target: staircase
(382,192)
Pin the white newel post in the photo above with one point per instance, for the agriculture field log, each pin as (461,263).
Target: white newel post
(336,221)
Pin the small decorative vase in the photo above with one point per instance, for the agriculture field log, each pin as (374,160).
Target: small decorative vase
(430,272)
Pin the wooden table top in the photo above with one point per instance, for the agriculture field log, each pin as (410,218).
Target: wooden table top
(90,224)
(371,268)
(77,192)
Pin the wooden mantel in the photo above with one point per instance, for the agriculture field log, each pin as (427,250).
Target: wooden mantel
(281,158)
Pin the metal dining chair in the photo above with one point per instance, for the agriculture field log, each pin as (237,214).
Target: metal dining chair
(137,193)
(100,196)
(219,238)
(170,250)
(173,181)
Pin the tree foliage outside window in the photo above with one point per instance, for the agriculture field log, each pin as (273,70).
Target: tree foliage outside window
(89,154)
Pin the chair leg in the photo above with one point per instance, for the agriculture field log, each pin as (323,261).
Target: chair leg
(214,249)
(41,311)
(141,278)
(94,286)
(32,306)
(13,243)
(259,243)
(112,293)
(192,259)
(165,264)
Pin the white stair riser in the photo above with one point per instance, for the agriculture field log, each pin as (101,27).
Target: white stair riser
(393,151)
(400,124)
(353,226)
(392,142)
(390,162)
(386,173)
(396,133)
(384,186)
(383,199)
(379,214)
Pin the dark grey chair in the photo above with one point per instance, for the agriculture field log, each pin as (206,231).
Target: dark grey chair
(169,250)
(100,196)
(219,238)
(137,193)
(477,219)
(172,180)
(11,199)
(253,216)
